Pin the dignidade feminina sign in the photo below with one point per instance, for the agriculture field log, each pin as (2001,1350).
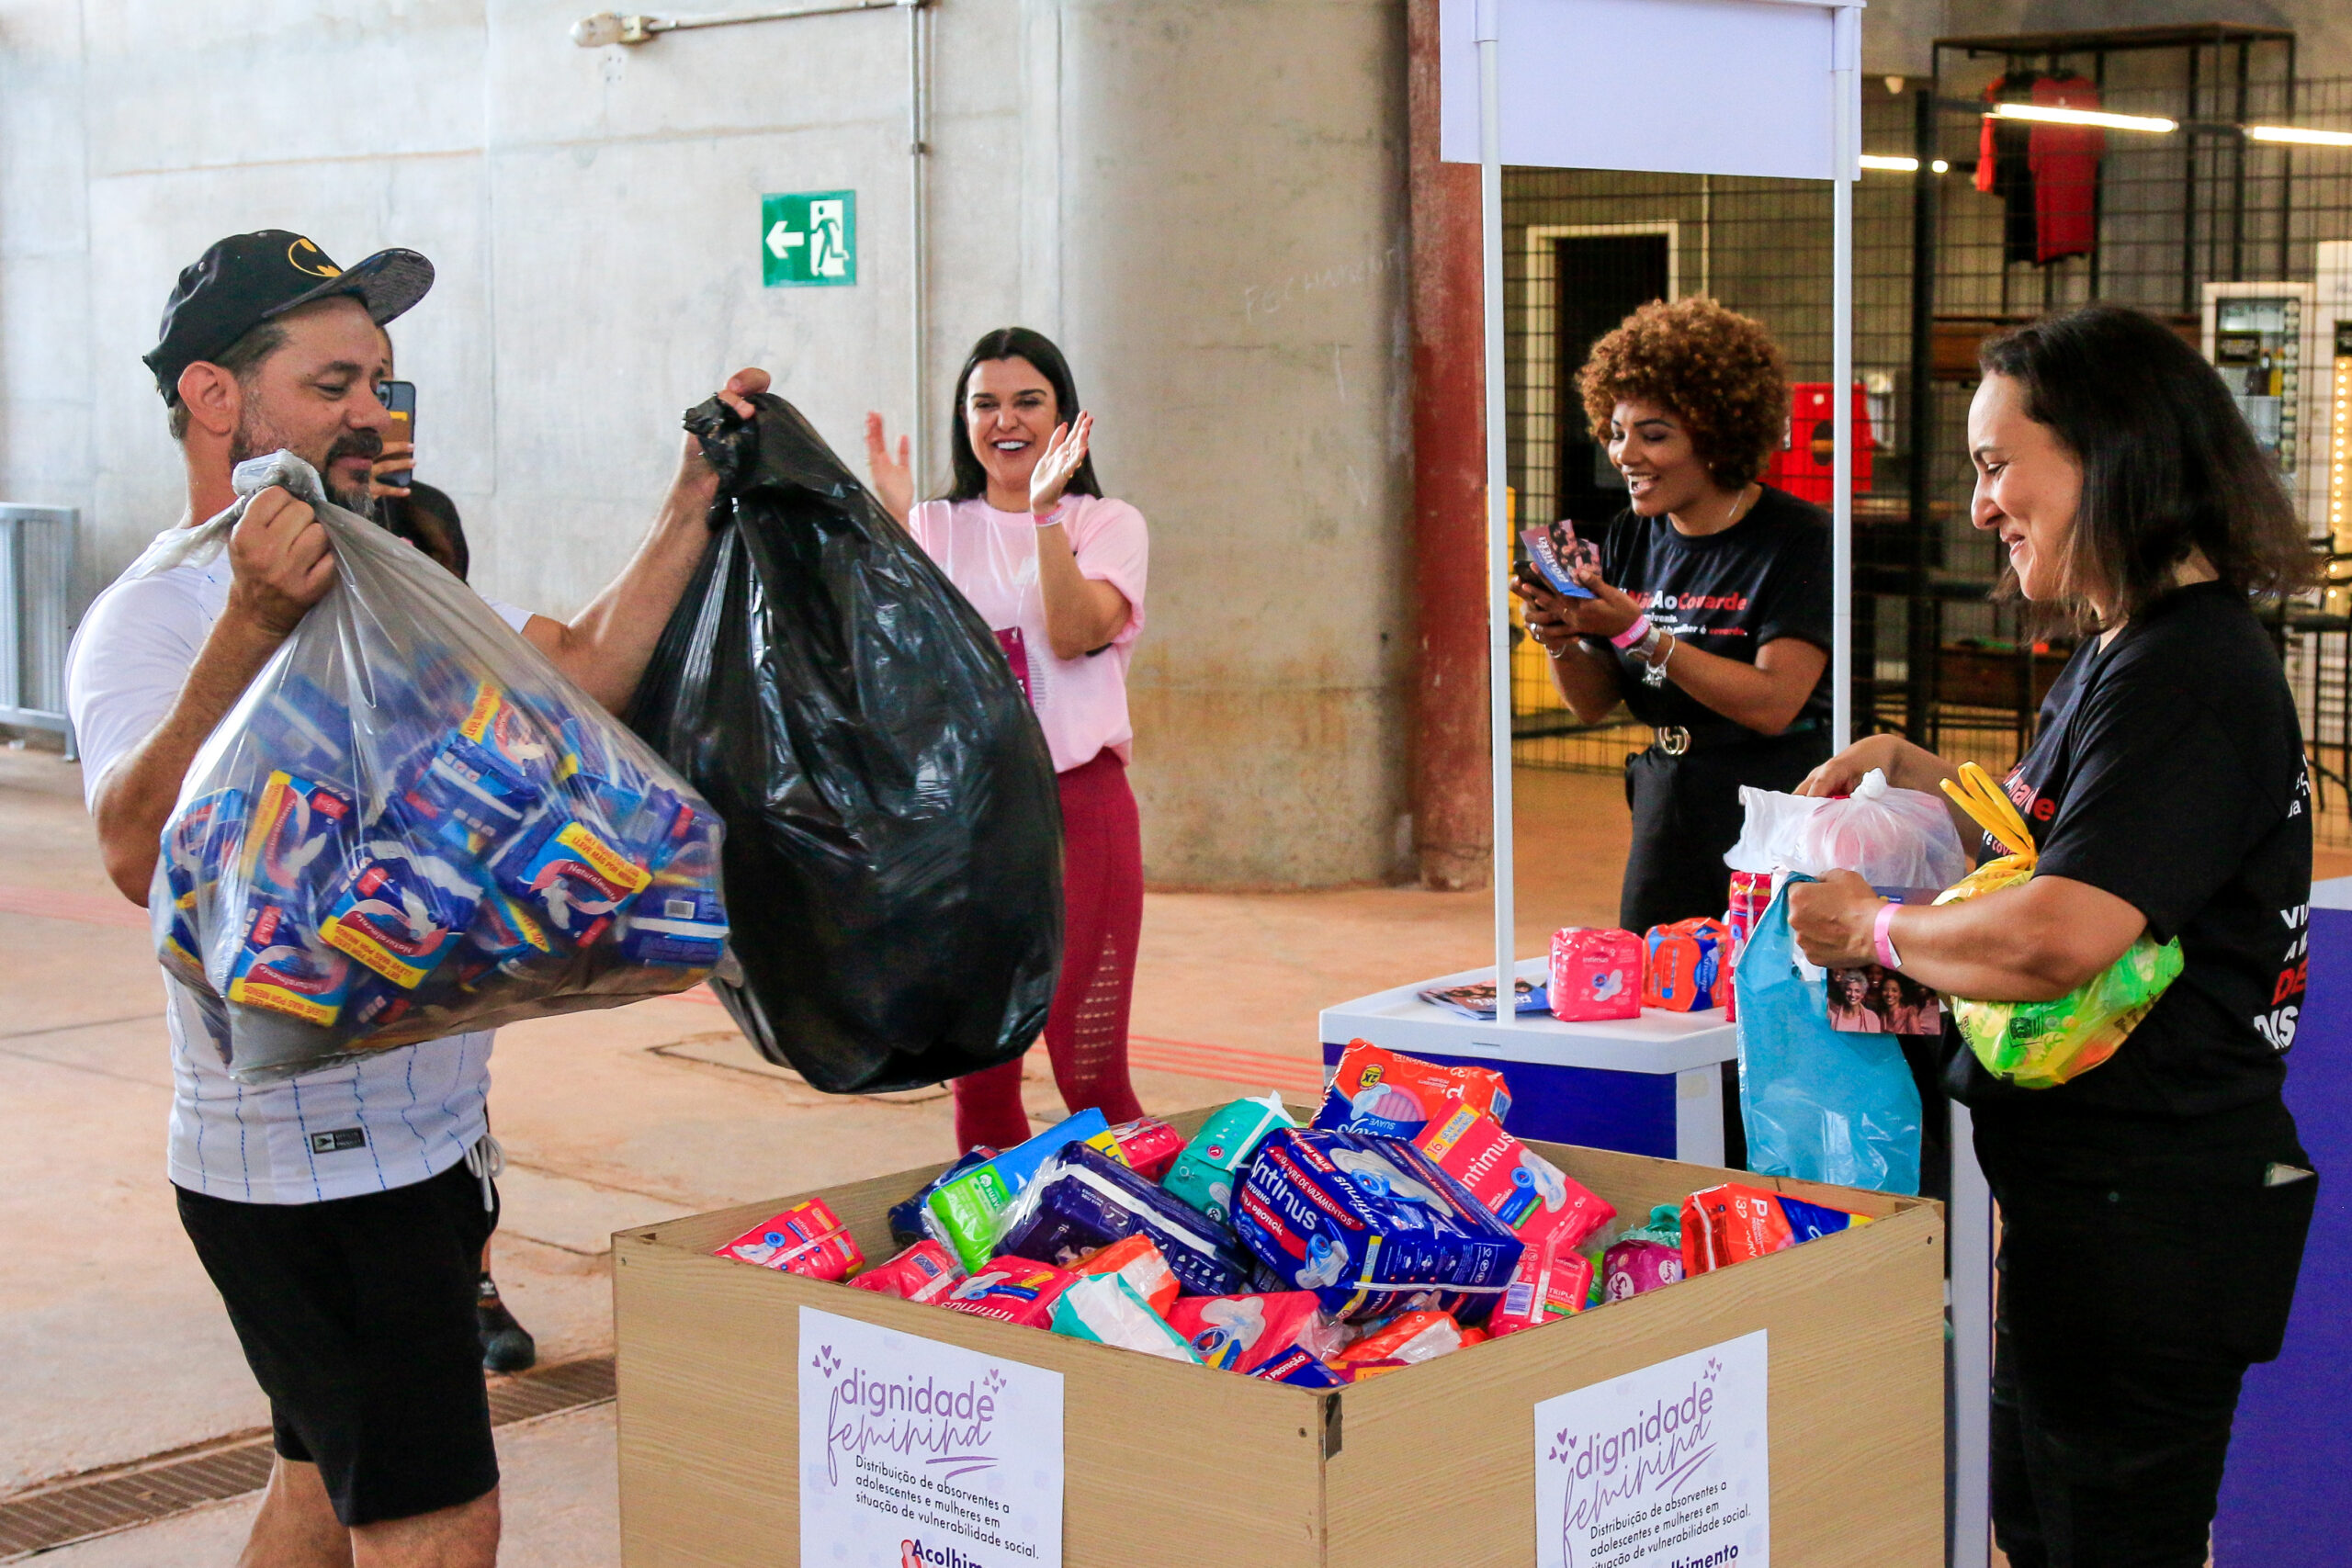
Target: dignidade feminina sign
(915,1454)
(1668,1467)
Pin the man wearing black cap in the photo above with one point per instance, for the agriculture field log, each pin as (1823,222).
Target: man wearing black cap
(340,1212)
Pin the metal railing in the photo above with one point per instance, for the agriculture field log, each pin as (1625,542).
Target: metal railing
(36,616)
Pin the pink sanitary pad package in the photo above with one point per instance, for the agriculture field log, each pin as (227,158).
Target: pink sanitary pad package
(1596,975)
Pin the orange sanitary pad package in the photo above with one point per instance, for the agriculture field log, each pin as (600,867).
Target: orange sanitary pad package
(1688,965)
(1139,1261)
(1732,1224)
(1375,1090)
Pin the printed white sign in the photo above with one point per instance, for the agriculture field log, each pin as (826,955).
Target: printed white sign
(915,1454)
(1668,1467)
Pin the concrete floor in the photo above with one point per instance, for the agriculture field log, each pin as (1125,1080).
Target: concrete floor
(116,1341)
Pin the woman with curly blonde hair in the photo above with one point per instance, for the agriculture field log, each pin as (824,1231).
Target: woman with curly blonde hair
(1709,609)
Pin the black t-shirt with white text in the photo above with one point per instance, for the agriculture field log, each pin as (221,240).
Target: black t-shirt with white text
(2169,772)
(1766,576)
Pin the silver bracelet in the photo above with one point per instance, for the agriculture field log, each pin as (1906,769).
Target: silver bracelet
(1655,676)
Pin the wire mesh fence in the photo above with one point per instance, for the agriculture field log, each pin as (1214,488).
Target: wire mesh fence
(2241,244)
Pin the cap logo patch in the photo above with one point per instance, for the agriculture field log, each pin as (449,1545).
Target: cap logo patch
(306,257)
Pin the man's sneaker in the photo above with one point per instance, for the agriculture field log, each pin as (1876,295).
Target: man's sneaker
(506,1345)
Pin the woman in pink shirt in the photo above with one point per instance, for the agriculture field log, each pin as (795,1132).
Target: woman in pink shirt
(1057,569)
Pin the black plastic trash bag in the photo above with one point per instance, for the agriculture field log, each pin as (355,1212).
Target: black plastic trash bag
(893,851)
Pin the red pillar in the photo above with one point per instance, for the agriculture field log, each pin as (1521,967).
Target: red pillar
(1452,815)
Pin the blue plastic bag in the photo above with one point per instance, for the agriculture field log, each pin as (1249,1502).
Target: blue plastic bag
(1821,1104)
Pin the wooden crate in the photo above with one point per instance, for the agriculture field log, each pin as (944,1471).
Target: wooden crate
(1168,1463)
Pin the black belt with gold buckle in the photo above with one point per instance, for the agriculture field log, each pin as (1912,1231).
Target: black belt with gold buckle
(1677,740)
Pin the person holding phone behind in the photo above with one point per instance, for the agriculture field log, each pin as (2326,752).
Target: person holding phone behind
(1710,609)
(1057,569)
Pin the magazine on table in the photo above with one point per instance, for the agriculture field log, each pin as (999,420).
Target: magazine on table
(1477,1000)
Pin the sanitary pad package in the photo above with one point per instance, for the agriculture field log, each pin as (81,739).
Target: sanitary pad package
(1596,975)
(1204,1173)
(923,1272)
(1553,1280)
(1372,1226)
(1688,966)
(906,1215)
(1148,1145)
(1139,1261)
(967,1210)
(1011,1290)
(1243,1333)
(1395,1096)
(1512,1181)
(808,1238)
(1083,1199)
(1301,1370)
(1731,1223)
(1410,1337)
(1646,1258)
(1105,1309)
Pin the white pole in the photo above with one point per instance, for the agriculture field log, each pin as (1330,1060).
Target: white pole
(1971,1350)
(1490,220)
(917,240)
(1844,82)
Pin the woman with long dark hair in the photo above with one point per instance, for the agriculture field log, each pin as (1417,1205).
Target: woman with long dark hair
(1058,569)
(2153,1209)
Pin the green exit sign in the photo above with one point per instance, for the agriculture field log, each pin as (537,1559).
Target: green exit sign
(808,239)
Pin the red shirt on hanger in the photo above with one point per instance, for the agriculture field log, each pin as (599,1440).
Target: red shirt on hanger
(2064,160)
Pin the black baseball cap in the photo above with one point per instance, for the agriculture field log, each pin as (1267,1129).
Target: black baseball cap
(247,279)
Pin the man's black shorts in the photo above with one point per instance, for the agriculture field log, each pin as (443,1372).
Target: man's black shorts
(357,1319)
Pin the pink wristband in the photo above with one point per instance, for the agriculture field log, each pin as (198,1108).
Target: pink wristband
(1883,935)
(1047,520)
(1633,634)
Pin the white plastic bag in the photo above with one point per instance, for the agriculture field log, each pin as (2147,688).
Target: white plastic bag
(1895,839)
(1772,818)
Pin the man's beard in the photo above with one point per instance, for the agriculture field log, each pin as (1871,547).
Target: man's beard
(255,438)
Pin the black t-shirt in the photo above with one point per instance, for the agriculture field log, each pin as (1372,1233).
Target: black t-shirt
(1766,576)
(2169,772)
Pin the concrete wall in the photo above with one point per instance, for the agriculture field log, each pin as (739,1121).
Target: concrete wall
(1203,201)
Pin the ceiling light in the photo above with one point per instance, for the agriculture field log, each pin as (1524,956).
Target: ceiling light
(2299,134)
(1901,165)
(2083,117)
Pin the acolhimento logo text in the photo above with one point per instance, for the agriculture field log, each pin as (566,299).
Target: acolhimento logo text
(915,1554)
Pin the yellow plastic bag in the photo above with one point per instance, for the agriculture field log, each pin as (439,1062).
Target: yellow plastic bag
(2044,1045)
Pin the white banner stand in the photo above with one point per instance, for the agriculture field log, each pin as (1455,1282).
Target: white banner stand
(1751,76)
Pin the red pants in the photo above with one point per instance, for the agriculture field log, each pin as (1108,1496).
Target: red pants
(1086,1032)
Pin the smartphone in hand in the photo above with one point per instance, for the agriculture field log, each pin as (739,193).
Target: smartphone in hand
(399,399)
(1557,552)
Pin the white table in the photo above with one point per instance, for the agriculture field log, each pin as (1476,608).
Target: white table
(1652,1085)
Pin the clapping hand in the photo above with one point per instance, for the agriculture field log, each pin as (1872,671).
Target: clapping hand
(1059,465)
(893,478)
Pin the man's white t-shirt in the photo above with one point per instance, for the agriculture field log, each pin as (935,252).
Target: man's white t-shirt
(415,1110)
